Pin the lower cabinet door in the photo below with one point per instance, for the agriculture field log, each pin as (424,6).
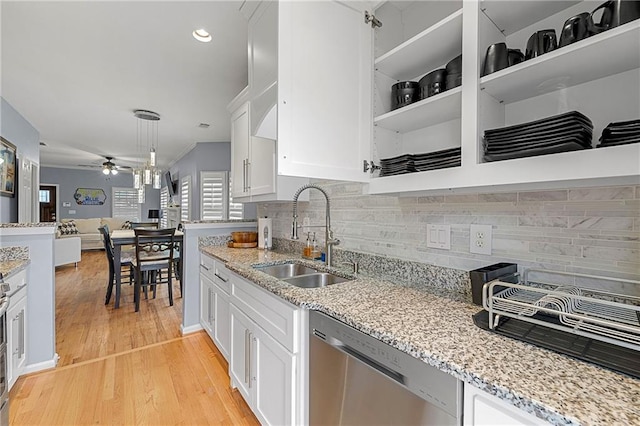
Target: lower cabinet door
(221,323)
(482,408)
(273,380)
(240,357)
(206,305)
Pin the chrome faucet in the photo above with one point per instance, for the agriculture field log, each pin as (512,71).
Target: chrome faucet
(329,241)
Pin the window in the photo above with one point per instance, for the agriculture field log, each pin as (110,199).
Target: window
(185,198)
(44,195)
(164,202)
(125,203)
(216,204)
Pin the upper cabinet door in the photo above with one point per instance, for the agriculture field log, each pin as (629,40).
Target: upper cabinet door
(263,48)
(324,90)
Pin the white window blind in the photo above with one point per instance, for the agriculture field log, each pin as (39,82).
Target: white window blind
(185,198)
(235,209)
(213,197)
(125,203)
(164,202)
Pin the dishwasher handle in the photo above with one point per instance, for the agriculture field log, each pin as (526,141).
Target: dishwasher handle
(351,351)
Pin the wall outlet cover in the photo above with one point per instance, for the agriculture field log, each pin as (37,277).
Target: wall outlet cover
(480,239)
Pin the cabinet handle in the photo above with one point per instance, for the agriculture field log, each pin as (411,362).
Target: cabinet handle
(224,280)
(247,357)
(21,334)
(209,305)
(244,175)
(248,175)
(204,267)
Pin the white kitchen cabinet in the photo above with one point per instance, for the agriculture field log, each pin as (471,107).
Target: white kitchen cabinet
(267,346)
(484,409)
(309,81)
(253,164)
(263,370)
(598,76)
(214,303)
(16,326)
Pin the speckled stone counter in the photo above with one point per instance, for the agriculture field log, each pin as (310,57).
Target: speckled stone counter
(438,329)
(10,267)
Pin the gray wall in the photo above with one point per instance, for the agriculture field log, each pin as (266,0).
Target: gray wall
(70,179)
(204,157)
(587,230)
(18,131)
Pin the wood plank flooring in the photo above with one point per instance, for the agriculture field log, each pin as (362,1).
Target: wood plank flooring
(122,367)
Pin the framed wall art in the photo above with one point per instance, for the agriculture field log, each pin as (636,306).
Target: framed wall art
(7,168)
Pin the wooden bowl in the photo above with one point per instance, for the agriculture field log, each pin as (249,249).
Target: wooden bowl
(244,237)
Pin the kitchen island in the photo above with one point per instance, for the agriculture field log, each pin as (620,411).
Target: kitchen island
(436,327)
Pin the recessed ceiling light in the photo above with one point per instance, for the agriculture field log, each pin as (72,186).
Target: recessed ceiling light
(202,35)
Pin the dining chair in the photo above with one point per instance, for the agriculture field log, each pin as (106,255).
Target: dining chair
(126,264)
(154,255)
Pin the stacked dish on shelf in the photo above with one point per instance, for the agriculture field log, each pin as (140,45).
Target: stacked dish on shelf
(620,133)
(409,163)
(570,131)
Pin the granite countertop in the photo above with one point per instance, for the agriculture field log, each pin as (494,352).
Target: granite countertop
(438,329)
(10,267)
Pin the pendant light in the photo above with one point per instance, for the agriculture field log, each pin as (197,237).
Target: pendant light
(147,141)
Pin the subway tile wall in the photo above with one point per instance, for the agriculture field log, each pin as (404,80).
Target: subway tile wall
(586,230)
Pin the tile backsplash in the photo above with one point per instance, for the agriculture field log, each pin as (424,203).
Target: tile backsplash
(586,230)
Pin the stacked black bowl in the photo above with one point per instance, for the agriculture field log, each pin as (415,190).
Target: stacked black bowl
(404,93)
(454,72)
(620,133)
(433,83)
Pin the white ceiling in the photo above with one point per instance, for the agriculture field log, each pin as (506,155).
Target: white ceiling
(76,70)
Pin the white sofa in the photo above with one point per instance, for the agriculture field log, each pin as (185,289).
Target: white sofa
(90,237)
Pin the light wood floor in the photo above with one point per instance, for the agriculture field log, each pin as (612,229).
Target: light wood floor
(122,367)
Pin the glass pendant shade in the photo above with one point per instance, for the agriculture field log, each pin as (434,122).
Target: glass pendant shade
(147,176)
(141,195)
(137,179)
(152,157)
(156,179)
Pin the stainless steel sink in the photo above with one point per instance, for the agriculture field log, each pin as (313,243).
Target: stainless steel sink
(286,270)
(319,279)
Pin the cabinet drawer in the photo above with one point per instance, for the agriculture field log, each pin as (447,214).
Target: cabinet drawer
(207,266)
(222,277)
(18,284)
(275,316)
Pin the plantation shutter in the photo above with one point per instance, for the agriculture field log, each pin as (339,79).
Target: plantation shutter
(125,203)
(185,198)
(213,197)
(164,203)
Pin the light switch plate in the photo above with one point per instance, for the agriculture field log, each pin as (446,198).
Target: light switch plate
(439,236)
(480,239)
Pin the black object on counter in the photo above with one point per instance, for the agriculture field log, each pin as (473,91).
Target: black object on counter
(608,355)
(479,277)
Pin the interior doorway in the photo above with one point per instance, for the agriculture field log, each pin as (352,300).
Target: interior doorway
(48,200)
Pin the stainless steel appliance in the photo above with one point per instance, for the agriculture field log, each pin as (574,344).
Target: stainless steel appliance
(357,379)
(4,385)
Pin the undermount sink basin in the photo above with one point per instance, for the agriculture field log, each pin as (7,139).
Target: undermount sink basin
(319,279)
(301,275)
(286,270)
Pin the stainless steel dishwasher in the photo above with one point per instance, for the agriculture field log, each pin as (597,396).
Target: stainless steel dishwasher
(357,379)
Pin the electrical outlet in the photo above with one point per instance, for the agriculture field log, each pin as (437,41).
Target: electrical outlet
(439,236)
(480,239)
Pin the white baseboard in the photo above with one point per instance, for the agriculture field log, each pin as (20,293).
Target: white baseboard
(44,365)
(190,329)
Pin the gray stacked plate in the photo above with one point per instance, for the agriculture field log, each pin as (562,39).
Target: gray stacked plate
(620,133)
(409,163)
(570,131)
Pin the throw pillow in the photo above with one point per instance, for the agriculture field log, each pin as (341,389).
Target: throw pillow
(68,228)
(126,225)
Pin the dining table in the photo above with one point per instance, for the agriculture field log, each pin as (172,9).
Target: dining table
(126,237)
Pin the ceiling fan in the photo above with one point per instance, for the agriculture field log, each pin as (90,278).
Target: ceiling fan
(108,167)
